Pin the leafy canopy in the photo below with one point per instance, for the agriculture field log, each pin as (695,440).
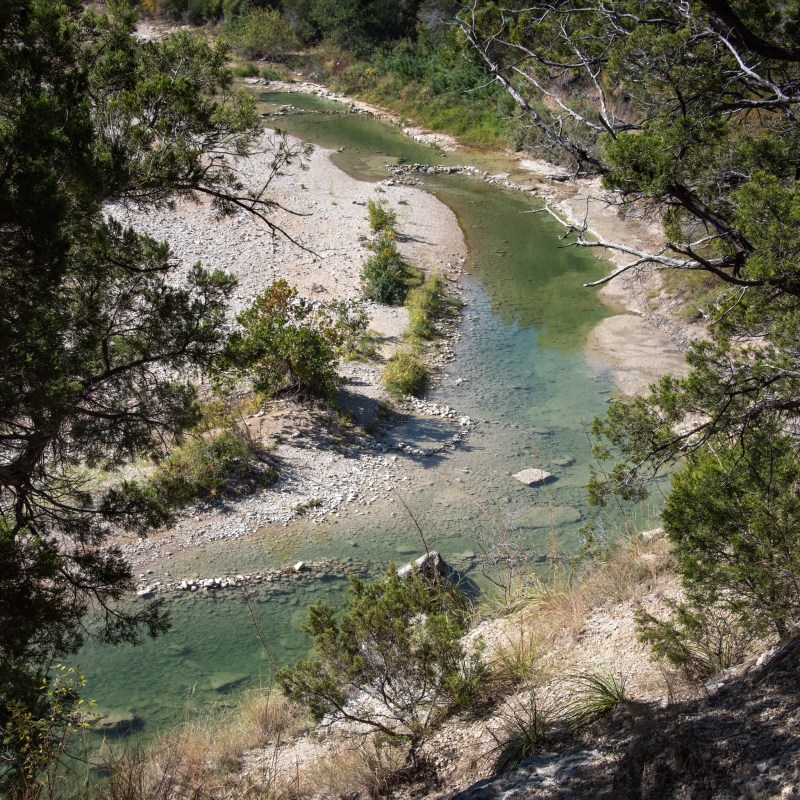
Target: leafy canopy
(392,660)
(100,327)
(689,112)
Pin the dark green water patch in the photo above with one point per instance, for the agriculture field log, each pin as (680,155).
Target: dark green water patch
(211,652)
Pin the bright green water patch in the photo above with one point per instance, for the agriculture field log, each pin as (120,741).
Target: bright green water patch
(364,144)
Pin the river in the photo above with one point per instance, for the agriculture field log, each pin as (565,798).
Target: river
(521,371)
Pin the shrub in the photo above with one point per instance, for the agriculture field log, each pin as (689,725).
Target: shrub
(733,520)
(423,304)
(349,320)
(248,70)
(405,374)
(224,464)
(381,217)
(287,344)
(262,34)
(273,74)
(700,643)
(384,273)
(393,659)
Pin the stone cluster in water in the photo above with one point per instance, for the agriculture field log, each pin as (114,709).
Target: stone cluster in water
(435,410)
(403,173)
(301,569)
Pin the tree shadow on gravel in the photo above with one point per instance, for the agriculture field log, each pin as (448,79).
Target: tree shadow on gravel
(745,738)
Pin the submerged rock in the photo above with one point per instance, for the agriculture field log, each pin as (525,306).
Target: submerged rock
(118,723)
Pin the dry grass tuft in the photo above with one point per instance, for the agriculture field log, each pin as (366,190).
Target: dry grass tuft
(560,604)
(359,768)
(515,655)
(201,759)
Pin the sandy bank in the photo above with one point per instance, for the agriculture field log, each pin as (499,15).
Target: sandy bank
(643,343)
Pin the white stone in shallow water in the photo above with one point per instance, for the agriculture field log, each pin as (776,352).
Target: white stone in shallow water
(530,477)
(430,565)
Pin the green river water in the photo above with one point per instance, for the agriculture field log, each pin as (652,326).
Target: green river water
(521,371)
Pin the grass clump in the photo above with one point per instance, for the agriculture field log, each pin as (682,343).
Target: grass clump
(246,70)
(526,730)
(222,464)
(274,73)
(198,759)
(358,768)
(405,374)
(696,292)
(595,694)
(515,659)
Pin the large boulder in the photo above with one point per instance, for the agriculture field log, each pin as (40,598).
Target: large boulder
(430,565)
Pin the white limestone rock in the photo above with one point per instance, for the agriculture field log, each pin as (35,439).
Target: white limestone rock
(531,477)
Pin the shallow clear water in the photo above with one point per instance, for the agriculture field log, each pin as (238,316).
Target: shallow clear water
(521,371)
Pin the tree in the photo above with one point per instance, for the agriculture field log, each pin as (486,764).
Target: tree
(393,660)
(289,345)
(100,328)
(689,112)
(261,33)
(734,519)
(357,23)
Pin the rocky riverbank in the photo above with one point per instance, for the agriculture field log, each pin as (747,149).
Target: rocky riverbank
(330,463)
(326,469)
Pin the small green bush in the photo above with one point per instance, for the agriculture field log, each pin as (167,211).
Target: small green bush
(733,519)
(381,217)
(424,303)
(392,660)
(248,70)
(287,344)
(405,374)
(699,642)
(384,274)
(223,465)
(273,74)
